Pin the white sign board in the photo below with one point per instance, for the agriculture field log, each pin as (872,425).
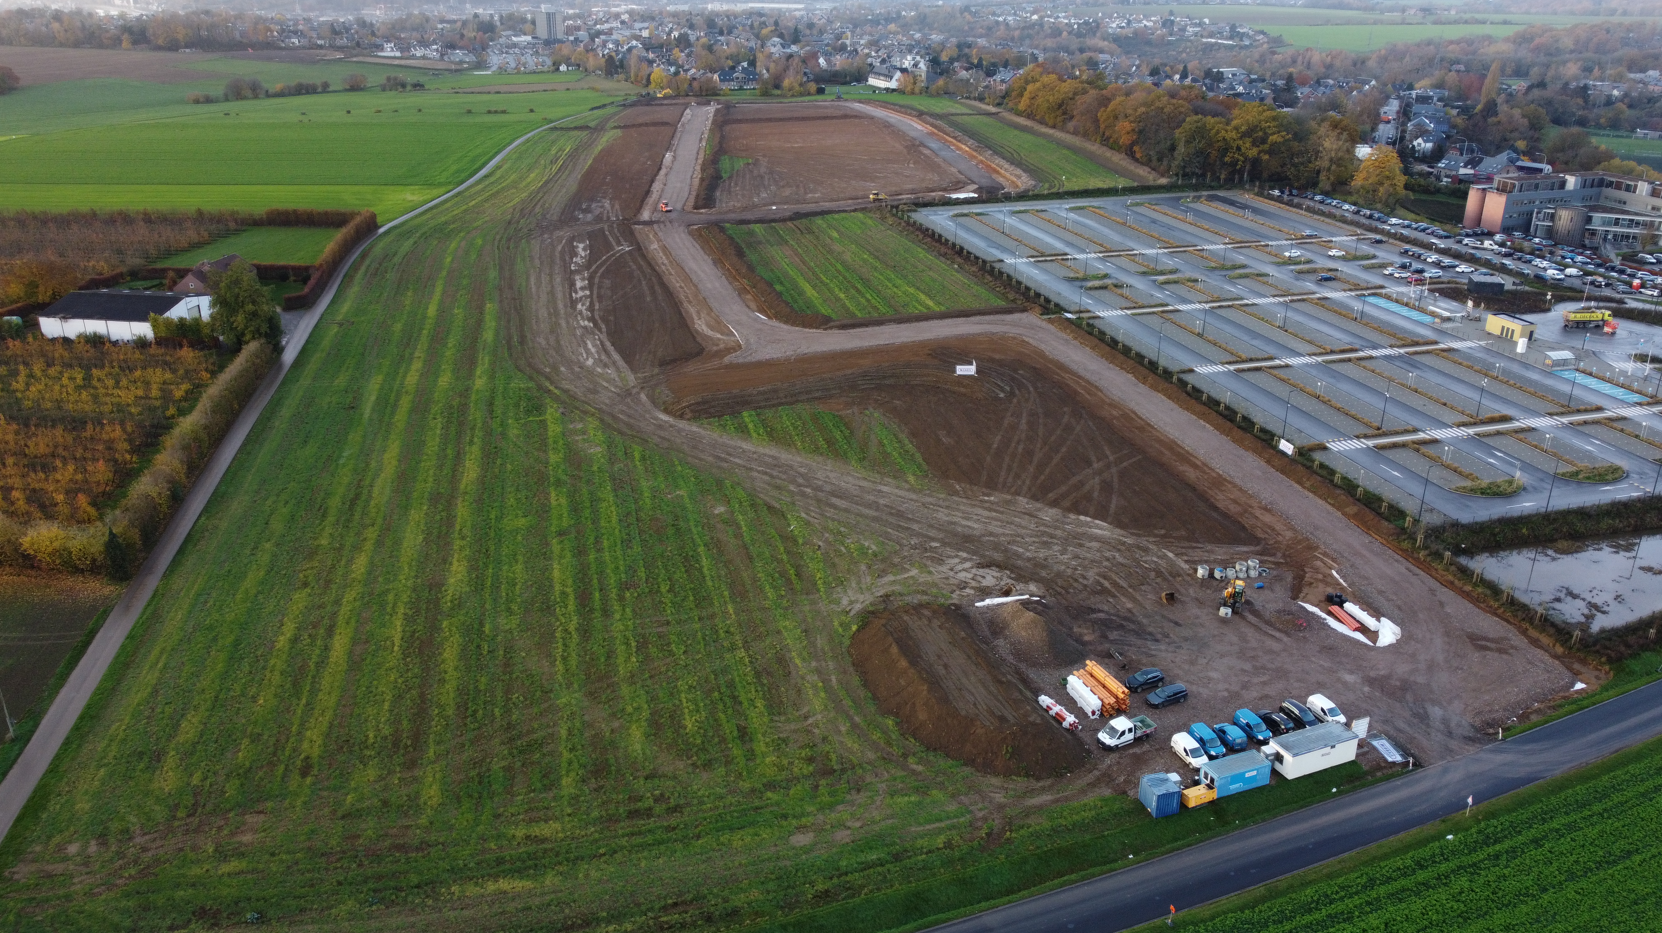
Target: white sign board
(966,370)
(1286,447)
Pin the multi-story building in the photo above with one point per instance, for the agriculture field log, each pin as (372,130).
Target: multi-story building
(1571,208)
(551,23)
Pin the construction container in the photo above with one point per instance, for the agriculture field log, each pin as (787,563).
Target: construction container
(1162,794)
(1202,572)
(1113,694)
(1252,564)
(1198,796)
(1307,751)
(1088,701)
(1218,573)
(1236,773)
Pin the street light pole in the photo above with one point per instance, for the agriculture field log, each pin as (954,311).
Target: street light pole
(1481,389)
(1287,410)
(1554,483)
(1425,489)
(1382,410)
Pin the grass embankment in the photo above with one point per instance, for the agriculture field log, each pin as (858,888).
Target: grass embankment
(108,143)
(1573,853)
(871,442)
(1054,166)
(854,265)
(443,651)
(301,245)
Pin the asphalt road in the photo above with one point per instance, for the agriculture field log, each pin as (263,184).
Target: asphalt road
(1258,854)
(60,717)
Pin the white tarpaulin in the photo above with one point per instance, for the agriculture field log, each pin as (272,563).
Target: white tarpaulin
(1000,600)
(1389,633)
(1343,630)
(1362,617)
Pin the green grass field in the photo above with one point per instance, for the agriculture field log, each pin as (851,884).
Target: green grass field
(871,443)
(111,143)
(445,652)
(262,244)
(1054,166)
(854,265)
(1576,853)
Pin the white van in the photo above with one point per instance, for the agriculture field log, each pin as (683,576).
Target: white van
(1188,749)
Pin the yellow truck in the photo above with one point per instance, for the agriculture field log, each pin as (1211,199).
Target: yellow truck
(1586,317)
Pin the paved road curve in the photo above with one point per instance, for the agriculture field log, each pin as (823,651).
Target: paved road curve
(60,717)
(1258,854)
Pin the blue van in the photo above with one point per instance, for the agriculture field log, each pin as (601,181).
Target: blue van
(1249,723)
(1209,741)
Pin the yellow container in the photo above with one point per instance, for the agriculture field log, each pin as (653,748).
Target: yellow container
(1199,795)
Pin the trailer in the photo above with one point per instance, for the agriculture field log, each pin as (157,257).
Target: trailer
(1160,793)
(1113,694)
(1306,751)
(1088,701)
(1231,775)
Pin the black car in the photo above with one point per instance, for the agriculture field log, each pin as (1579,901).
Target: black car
(1146,679)
(1277,723)
(1377,239)
(1167,695)
(1301,717)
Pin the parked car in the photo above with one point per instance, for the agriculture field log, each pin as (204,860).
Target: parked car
(1167,695)
(1324,709)
(1232,736)
(1300,714)
(1209,741)
(1336,253)
(1463,269)
(1146,679)
(1276,722)
(1188,749)
(1252,724)
(1324,277)
(1291,254)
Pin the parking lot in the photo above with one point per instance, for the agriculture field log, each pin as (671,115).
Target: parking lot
(1293,319)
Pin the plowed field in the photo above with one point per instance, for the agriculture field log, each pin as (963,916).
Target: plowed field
(813,153)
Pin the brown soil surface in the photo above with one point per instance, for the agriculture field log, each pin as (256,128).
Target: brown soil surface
(617,180)
(1018,427)
(925,668)
(634,307)
(1512,301)
(810,153)
(44,66)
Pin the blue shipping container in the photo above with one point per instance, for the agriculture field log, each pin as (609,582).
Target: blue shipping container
(1236,773)
(1160,793)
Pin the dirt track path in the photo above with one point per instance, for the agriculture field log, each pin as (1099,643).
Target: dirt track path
(1338,554)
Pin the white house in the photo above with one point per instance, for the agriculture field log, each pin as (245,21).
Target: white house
(119,314)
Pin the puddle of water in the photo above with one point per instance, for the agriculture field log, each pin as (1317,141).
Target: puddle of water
(1605,584)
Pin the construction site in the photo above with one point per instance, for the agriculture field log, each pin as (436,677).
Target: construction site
(1052,470)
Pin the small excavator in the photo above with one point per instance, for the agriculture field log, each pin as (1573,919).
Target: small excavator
(879,196)
(1233,595)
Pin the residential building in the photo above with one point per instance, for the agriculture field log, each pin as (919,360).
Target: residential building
(196,282)
(550,22)
(120,315)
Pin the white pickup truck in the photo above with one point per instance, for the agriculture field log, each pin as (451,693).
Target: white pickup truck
(1121,731)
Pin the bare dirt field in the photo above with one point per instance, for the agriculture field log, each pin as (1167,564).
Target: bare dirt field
(617,181)
(1016,428)
(815,153)
(44,66)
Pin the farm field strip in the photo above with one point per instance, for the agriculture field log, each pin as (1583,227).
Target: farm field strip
(884,448)
(854,265)
(384,152)
(301,245)
(1524,869)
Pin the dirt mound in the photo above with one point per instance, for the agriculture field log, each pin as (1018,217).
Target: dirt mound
(1018,427)
(813,153)
(1026,638)
(924,668)
(617,180)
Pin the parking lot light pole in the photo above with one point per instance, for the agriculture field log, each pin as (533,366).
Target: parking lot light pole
(1481,389)
(1554,483)
(1382,410)
(1425,490)
(1287,410)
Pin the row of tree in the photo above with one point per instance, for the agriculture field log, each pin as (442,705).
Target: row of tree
(44,255)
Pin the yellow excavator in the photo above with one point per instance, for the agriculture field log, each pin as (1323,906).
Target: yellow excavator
(1233,594)
(879,196)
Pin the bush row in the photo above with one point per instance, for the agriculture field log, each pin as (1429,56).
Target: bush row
(361,228)
(116,547)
